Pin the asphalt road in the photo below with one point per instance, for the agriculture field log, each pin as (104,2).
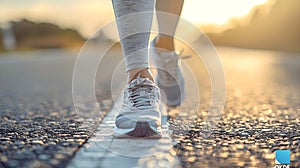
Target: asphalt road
(39,125)
(261,113)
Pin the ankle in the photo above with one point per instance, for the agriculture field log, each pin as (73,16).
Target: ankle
(165,42)
(143,72)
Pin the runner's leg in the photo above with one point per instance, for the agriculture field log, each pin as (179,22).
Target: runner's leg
(167,25)
(137,61)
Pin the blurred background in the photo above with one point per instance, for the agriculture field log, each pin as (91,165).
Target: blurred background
(258,42)
(258,24)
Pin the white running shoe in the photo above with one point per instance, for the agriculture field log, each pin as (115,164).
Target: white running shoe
(140,116)
(169,75)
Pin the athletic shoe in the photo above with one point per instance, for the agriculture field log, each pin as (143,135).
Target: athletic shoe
(140,115)
(169,75)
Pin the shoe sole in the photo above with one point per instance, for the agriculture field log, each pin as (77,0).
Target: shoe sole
(141,130)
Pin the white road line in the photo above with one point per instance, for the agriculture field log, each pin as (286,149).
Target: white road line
(103,150)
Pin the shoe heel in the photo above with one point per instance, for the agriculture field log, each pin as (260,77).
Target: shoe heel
(142,129)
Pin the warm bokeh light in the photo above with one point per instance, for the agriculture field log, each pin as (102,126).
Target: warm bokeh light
(87,16)
(217,11)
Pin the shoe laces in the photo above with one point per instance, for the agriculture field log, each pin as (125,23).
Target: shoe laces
(142,94)
(170,64)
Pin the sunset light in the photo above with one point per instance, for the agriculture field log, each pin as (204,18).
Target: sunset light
(87,16)
(217,11)
(118,83)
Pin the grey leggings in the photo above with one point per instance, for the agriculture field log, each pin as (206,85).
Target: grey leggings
(134,46)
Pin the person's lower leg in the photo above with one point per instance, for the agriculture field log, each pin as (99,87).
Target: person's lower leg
(134,31)
(167,23)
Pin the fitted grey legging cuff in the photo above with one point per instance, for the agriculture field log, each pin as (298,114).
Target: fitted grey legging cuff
(134,46)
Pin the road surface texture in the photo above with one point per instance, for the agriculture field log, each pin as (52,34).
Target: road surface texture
(39,126)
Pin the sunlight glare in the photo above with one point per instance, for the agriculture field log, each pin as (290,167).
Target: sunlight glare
(217,11)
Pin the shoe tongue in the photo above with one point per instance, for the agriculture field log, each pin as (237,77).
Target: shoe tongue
(140,80)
